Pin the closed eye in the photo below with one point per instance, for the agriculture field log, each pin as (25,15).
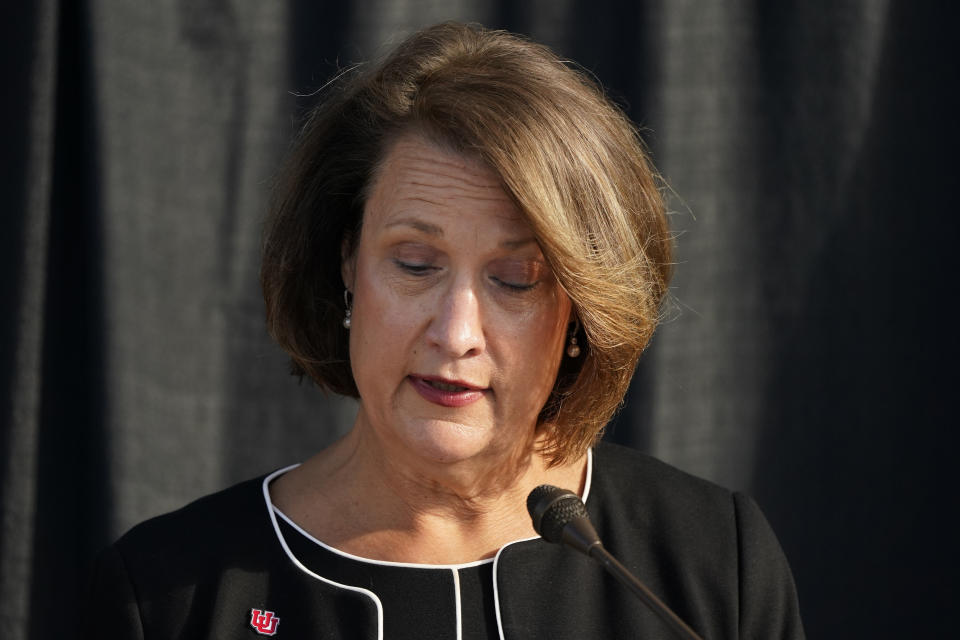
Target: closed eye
(514,286)
(518,274)
(415,268)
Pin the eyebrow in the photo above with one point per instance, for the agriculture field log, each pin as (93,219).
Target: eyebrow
(435,230)
(419,225)
(516,244)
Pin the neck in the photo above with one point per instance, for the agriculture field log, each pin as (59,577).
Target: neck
(356,497)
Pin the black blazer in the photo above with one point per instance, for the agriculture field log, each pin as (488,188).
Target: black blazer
(708,553)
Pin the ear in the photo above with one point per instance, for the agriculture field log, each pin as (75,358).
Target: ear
(574,319)
(348,262)
(573,316)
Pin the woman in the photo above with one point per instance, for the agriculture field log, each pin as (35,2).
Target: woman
(469,239)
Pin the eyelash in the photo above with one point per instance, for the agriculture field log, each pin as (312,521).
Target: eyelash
(415,269)
(519,288)
(426,269)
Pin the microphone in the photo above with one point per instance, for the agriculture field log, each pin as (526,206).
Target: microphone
(559,516)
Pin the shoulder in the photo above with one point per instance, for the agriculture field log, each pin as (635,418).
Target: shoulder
(629,484)
(231,522)
(153,576)
(647,497)
(616,465)
(634,496)
(208,569)
(695,539)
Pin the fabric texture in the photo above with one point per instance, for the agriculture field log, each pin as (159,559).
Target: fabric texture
(409,595)
(709,554)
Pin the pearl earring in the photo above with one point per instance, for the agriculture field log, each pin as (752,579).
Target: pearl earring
(573,349)
(349,312)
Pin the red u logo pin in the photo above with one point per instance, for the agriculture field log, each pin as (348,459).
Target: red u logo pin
(265,622)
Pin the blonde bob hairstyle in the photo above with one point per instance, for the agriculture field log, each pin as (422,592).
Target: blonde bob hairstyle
(570,159)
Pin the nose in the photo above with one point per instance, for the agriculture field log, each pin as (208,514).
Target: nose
(456,327)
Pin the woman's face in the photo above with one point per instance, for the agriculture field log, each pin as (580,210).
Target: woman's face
(458,324)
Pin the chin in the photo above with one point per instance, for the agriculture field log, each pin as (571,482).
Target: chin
(449,442)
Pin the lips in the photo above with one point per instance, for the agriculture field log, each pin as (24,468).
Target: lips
(444,392)
(445,386)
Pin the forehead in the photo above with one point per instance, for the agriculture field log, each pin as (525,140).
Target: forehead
(420,179)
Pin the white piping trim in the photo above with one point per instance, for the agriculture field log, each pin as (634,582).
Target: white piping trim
(299,565)
(588,481)
(496,559)
(410,565)
(496,591)
(387,563)
(456,594)
(273,510)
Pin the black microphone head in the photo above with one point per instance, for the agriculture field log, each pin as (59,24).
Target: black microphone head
(552,508)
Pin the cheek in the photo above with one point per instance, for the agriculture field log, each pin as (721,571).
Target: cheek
(539,344)
(382,321)
(554,329)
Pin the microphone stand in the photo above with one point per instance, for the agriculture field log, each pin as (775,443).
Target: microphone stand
(627,579)
(560,516)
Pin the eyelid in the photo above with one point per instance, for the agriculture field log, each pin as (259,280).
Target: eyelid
(414,257)
(414,251)
(519,288)
(414,267)
(521,274)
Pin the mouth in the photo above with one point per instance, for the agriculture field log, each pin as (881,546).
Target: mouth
(446,392)
(445,386)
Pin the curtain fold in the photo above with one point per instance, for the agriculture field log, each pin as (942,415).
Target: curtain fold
(28,134)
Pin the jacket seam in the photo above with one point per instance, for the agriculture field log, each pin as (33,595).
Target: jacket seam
(740,559)
(133,589)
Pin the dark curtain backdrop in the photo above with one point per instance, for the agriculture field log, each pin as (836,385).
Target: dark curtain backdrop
(808,350)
